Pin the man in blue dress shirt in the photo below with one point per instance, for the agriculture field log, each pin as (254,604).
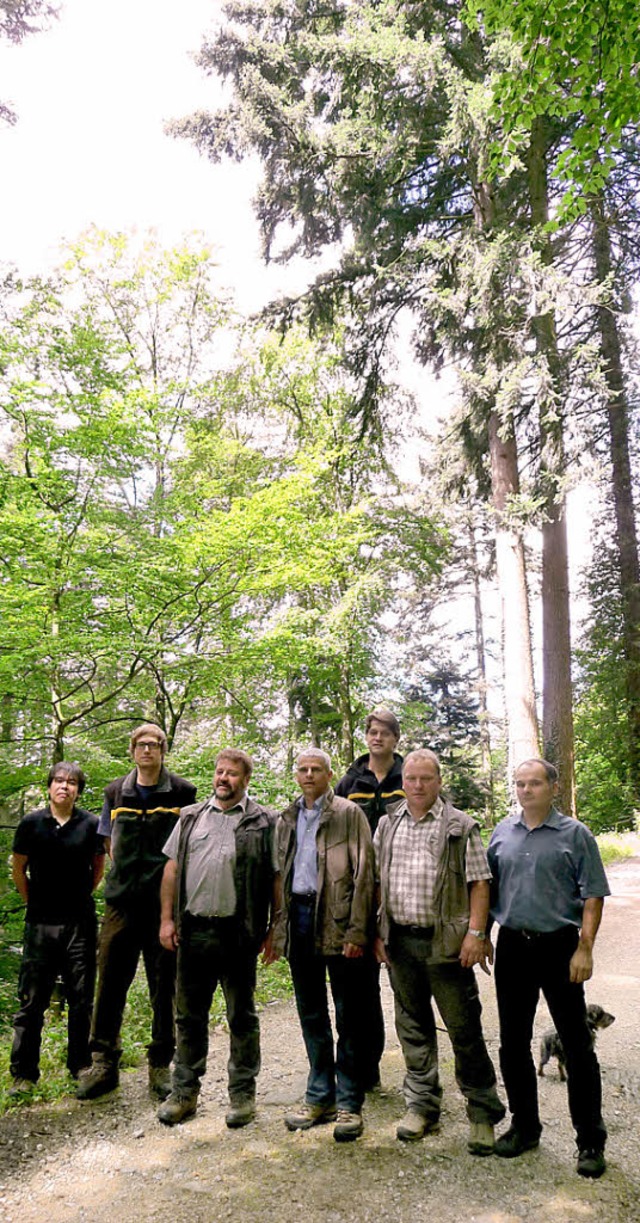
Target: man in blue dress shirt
(547,897)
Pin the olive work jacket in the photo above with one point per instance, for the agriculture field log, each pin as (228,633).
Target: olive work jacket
(345,891)
(451,891)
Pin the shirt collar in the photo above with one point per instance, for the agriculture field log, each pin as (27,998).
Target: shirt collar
(552,820)
(241,805)
(435,811)
(317,806)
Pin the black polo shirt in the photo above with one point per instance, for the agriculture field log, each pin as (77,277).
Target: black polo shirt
(60,864)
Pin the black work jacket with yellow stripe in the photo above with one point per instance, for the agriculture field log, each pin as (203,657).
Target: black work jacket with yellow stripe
(374,797)
(140,827)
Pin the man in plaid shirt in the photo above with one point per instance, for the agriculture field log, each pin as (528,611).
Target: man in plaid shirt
(434,900)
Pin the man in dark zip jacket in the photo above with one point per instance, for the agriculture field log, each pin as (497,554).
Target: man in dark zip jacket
(220,890)
(138,814)
(374,782)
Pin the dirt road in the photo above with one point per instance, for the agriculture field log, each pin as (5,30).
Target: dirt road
(111,1160)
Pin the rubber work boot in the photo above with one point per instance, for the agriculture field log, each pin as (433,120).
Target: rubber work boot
(240,1113)
(178,1108)
(21,1087)
(160,1081)
(481,1138)
(101,1077)
(348,1126)
(414,1126)
(309,1115)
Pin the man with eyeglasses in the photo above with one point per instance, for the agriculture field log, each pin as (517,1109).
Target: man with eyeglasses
(138,815)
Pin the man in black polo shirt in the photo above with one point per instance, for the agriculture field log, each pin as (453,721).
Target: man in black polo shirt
(374,782)
(58,860)
(138,816)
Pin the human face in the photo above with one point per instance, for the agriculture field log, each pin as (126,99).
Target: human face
(63,792)
(380,739)
(421,783)
(313,776)
(147,748)
(229,781)
(535,792)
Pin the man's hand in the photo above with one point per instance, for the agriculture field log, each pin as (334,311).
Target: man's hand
(352,951)
(380,951)
(269,954)
(581,964)
(168,935)
(475,951)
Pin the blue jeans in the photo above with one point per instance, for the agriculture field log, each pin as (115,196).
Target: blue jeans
(210,952)
(416,979)
(332,1078)
(524,967)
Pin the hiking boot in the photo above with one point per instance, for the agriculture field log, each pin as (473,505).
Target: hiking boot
(21,1087)
(348,1126)
(100,1078)
(481,1138)
(240,1113)
(309,1115)
(160,1081)
(591,1162)
(177,1108)
(414,1126)
(513,1143)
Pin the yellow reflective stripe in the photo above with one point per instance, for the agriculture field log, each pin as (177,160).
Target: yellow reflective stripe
(140,811)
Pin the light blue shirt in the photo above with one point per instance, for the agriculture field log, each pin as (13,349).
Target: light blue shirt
(305,863)
(543,875)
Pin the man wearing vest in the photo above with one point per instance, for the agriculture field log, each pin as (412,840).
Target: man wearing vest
(220,890)
(374,782)
(434,901)
(138,814)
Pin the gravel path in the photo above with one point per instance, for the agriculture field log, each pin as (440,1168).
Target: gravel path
(111,1160)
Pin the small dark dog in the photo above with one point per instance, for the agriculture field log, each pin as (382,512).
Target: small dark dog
(551,1045)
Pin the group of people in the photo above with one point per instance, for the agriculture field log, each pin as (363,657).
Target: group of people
(380,870)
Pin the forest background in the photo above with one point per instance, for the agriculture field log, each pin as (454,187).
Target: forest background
(249,528)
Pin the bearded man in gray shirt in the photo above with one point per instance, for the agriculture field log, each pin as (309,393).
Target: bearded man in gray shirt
(220,895)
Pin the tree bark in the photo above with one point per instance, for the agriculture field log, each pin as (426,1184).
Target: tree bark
(520,704)
(557,691)
(625,523)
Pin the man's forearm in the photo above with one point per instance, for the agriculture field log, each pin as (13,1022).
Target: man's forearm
(591,918)
(168,890)
(479,904)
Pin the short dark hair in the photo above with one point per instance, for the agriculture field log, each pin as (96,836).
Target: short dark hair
(385,716)
(68,769)
(148,728)
(549,768)
(238,756)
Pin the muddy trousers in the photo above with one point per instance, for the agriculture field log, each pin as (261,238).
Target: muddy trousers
(525,967)
(67,951)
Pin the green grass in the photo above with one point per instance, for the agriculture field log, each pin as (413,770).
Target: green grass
(615,846)
(274,983)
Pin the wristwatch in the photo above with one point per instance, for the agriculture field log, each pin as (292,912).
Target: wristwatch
(477,933)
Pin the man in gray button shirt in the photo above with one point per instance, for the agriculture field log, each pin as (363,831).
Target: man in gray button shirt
(547,897)
(220,891)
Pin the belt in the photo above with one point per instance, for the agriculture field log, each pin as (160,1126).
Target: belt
(416,931)
(532,935)
(303,898)
(206,923)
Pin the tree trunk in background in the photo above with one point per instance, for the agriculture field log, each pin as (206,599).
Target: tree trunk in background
(557,691)
(625,523)
(483,712)
(520,703)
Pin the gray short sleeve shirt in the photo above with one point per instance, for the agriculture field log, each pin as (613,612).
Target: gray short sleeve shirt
(542,876)
(211,855)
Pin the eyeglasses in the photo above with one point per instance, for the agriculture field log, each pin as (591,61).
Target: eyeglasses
(147,745)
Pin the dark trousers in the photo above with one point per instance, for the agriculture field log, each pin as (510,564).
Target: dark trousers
(123,938)
(416,979)
(524,967)
(210,952)
(370,1021)
(68,951)
(332,1078)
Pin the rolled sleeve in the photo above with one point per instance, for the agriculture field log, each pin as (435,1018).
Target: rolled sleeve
(476,864)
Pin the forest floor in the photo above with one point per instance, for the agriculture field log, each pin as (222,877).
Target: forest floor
(112,1160)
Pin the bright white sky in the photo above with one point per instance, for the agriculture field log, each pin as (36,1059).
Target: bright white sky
(92,95)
